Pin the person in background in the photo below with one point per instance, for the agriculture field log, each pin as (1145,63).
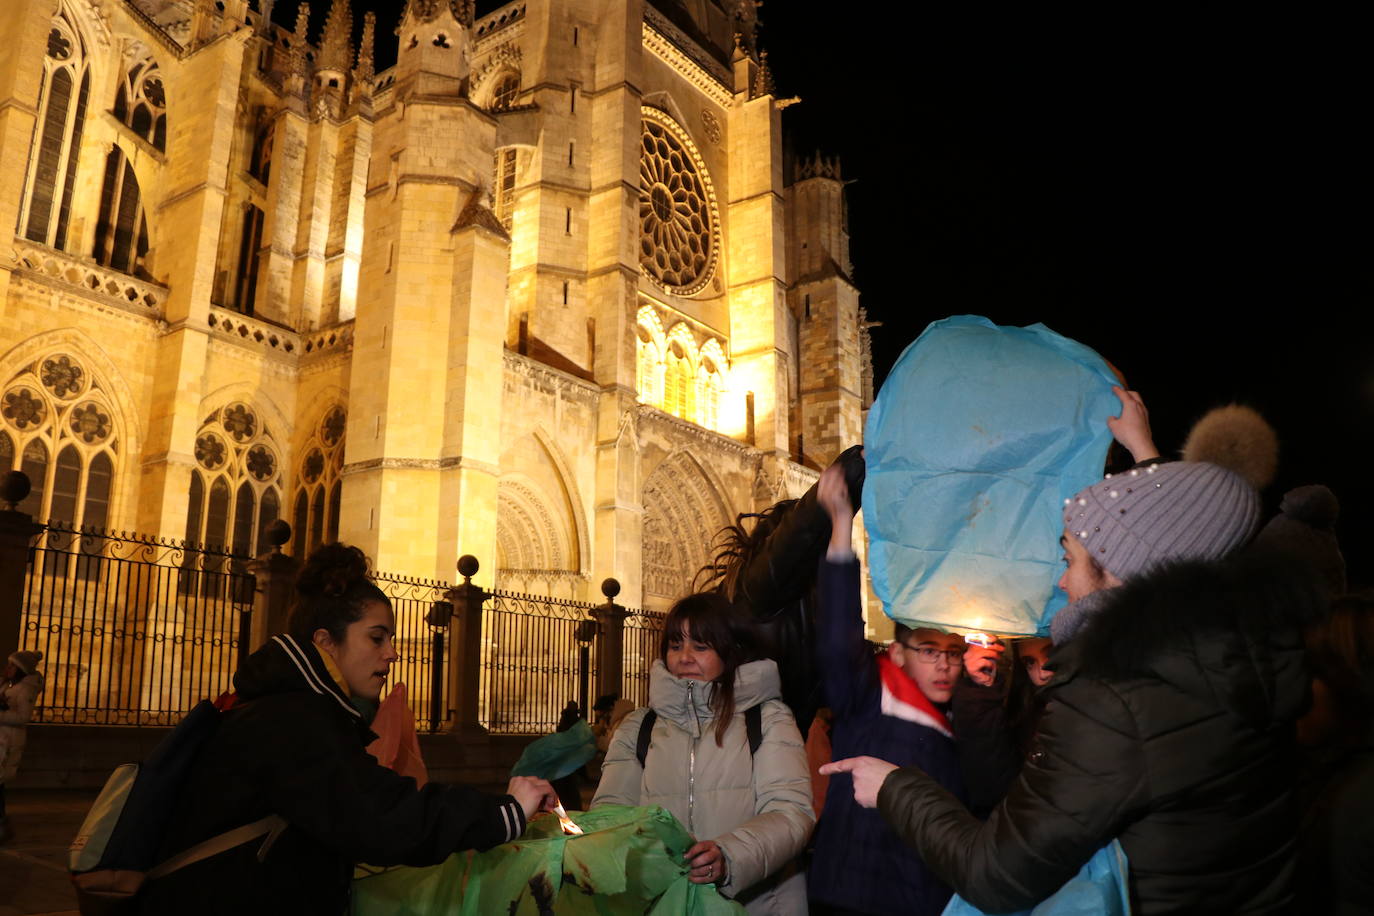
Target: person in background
(996,708)
(20,684)
(893,704)
(749,807)
(295,746)
(1034,655)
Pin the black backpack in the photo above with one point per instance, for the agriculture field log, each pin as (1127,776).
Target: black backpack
(116,849)
(753,726)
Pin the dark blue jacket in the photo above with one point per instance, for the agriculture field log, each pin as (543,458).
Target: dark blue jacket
(860,863)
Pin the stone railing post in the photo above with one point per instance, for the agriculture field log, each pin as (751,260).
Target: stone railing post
(16,533)
(274,576)
(610,648)
(465,651)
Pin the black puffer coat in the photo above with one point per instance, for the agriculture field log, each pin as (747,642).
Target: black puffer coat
(1168,726)
(296,747)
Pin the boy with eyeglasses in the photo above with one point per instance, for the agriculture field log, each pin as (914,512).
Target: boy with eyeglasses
(892,705)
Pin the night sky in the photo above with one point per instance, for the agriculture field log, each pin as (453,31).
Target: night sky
(1188,196)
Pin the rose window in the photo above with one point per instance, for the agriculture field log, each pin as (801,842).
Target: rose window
(676,209)
(240,422)
(61,376)
(209,451)
(24,408)
(262,464)
(90,423)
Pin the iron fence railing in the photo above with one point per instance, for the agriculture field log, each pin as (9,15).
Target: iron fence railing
(643,633)
(134,630)
(537,656)
(421,647)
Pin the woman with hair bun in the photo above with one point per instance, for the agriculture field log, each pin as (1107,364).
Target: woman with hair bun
(295,744)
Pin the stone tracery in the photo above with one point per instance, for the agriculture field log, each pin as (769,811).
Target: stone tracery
(677,208)
(236,484)
(60,428)
(682,514)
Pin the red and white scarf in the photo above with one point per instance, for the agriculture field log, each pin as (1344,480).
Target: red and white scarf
(903,699)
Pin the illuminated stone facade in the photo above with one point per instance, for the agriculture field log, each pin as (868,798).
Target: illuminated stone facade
(538,293)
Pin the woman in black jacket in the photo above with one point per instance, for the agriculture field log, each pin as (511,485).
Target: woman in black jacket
(1179,674)
(295,745)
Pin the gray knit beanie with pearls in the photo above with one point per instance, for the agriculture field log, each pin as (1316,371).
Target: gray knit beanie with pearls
(1179,510)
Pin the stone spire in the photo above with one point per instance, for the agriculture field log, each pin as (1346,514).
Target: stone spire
(336,45)
(265,18)
(298,39)
(366,69)
(763,79)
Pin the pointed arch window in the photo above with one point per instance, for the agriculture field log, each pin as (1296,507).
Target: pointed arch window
(141,103)
(260,166)
(503,186)
(678,382)
(57,426)
(506,89)
(250,248)
(708,395)
(121,230)
(648,369)
(319,490)
(53,154)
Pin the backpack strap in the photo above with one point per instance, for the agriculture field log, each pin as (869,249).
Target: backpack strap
(753,725)
(646,727)
(270,826)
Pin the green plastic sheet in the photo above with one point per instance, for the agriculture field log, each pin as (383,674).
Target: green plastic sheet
(628,861)
(555,756)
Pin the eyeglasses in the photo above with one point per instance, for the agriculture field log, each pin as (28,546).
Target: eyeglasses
(928,656)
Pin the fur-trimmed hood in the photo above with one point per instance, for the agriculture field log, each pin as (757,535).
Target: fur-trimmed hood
(1230,630)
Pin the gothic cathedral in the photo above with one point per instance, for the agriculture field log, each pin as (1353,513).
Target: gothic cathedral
(544,292)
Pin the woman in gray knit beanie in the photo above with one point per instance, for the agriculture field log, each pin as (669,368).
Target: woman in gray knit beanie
(1195,509)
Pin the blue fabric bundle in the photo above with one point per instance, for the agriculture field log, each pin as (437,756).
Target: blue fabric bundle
(978,436)
(1099,889)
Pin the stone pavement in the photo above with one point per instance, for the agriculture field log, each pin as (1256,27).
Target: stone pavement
(33,866)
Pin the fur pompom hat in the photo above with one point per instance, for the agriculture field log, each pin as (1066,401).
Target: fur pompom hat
(1201,508)
(1305,529)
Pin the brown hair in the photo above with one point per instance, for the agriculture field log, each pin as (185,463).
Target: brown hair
(706,617)
(736,547)
(332,589)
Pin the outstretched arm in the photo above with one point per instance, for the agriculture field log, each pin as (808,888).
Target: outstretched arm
(1086,784)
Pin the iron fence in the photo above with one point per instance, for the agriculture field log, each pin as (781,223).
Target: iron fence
(134,630)
(421,647)
(643,632)
(536,658)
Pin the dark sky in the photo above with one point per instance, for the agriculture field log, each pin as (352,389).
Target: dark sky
(1188,196)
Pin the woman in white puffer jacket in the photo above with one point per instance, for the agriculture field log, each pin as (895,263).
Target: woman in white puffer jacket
(751,814)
